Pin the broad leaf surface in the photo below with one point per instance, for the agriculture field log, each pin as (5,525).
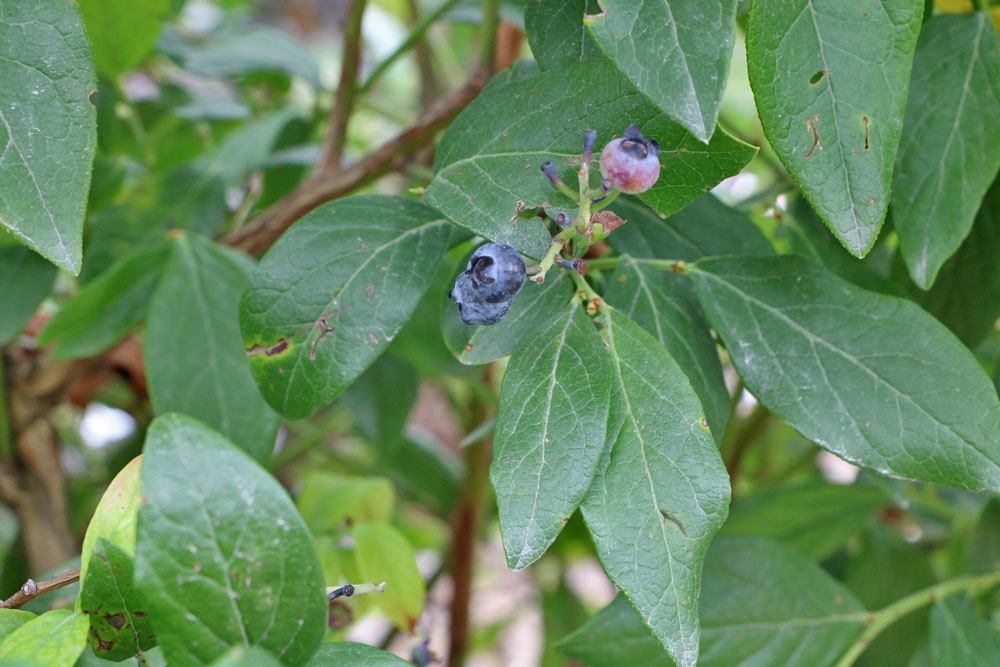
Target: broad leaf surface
(761,604)
(487,166)
(661,491)
(122,32)
(223,559)
(329,501)
(108,307)
(27,279)
(830,80)
(384,556)
(550,432)
(194,359)
(556,31)
(381,415)
(966,294)
(55,639)
(676,52)
(48,127)
(662,304)
(950,152)
(704,228)
(258,49)
(814,518)
(12,619)
(118,616)
(534,309)
(960,637)
(240,657)
(872,378)
(335,654)
(331,294)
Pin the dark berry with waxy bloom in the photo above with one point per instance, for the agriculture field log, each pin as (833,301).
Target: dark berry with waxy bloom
(631,163)
(493,277)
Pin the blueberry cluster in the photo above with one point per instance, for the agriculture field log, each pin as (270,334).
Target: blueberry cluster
(496,273)
(487,287)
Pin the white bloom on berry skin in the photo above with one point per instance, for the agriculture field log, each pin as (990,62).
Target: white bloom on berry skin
(632,162)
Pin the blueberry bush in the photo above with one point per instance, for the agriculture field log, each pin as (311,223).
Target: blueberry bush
(523,332)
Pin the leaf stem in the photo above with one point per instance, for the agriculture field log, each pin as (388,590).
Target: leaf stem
(559,241)
(880,620)
(416,34)
(31,590)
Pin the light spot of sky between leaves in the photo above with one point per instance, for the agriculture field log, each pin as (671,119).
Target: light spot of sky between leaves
(736,188)
(835,469)
(102,425)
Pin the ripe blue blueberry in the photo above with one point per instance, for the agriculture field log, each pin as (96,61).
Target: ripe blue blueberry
(493,277)
(632,162)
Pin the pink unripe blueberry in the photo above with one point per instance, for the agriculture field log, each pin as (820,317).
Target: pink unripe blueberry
(632,162)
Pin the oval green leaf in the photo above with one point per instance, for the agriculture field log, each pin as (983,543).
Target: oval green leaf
(872,378)
(335,654)
(661,491)
(54,639)
(550,432)
(676,52)
(194,359)
(830,80)
(223,559)
(333,292)
(960,637)
(48,126)
(950,151)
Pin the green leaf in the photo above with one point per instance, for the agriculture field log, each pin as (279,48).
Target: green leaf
(223,559)
(809,238)
(335,654)
(381,415)
(116,515)
(960,637)
(872,378)
(557,34)
(676,52)
(118,615)
(661,491)
(12,619)
(108,307)
(883,569)
(122,32)
(704,228)
(983,551)
(257,49)
(814,518)
(329,501)
(116,611)
(550,432)
(966,294)
(830,81)
(248,147)
(424,468)
(487,164)
(950,152)
(761,604)
(384,555)
(27,279)
(194,360)
(662,304)
(54,639)
(330,295)
(534,309)
(48,126)
(240,657)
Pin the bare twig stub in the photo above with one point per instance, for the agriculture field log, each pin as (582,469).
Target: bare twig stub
(31,590)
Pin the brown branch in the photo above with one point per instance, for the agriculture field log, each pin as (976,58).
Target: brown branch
(31,590)
(263,230)
(332,151)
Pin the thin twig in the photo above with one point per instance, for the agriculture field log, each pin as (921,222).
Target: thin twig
(31,590)
(333,144)
(258,235)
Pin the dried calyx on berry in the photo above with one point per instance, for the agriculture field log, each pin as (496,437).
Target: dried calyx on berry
(631,163)
(493,277)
